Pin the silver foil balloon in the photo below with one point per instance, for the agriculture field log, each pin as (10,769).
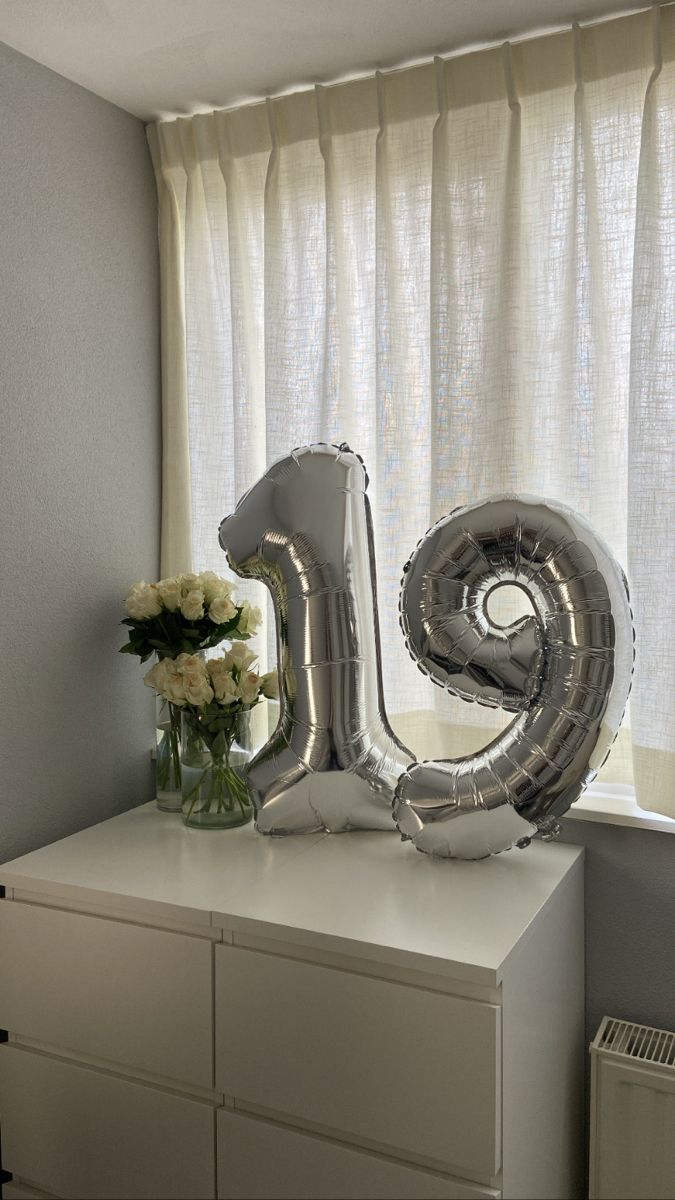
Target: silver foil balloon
(566,672)
(305,530)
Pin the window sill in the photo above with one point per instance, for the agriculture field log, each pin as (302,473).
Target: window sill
(615,805)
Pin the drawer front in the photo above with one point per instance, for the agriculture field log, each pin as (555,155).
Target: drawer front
(392,1064)
(19,1191)
(123,993)
(82,1133)
(258,1160)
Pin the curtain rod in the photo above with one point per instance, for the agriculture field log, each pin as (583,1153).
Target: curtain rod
(300,89)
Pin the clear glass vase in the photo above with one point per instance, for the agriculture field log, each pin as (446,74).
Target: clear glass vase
(167,760)
(214,790)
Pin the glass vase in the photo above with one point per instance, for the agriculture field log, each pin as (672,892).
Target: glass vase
(167,759)
(214,790)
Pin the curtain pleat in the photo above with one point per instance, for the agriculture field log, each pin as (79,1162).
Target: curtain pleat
(466,270)
(176,519)
(651,479)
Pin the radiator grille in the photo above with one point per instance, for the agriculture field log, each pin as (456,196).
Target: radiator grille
(636,1042)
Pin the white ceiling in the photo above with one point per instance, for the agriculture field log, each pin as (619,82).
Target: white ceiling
(167,57)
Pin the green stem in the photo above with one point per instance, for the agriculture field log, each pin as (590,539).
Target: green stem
(225,787)
(163,764)
(193,796)
(219,786)
(174,738)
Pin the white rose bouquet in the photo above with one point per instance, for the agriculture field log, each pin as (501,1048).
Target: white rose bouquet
(177,618)
(214,695)
(185,614)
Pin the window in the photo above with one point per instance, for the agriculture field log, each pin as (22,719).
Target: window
(467,271)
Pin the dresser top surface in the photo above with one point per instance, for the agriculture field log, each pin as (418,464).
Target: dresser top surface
(361,894)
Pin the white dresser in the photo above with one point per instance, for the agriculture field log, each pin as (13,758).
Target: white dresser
(200,1014)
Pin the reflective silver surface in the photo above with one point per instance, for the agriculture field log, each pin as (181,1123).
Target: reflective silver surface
(565,672)
(305,529)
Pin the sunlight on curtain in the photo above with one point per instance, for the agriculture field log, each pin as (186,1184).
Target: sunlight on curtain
(465,269)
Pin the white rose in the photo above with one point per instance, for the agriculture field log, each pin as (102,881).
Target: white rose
(195,679)
(190,662)
(169,593)
(188,582)
(198,690)
(143,601)
(249,620)
(249,688)
(167,680)
(156,676)
(228,692)
(213,586)
(192,606)
(269,685)
(240,656)
(221,680)
(217,666)
(221,609)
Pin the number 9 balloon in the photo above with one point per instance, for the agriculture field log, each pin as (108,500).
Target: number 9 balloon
(333,762)
(565,672)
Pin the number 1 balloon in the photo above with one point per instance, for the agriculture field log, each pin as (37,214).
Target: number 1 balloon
(333,762)
(305,530)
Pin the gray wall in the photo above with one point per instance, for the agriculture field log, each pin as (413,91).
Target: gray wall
(80,446)
(630,922)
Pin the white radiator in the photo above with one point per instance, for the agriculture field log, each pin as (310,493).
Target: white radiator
(632,1113)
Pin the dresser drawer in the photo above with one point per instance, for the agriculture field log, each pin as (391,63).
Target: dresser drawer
(20,1191)
(258,1160)
(82,1133)
(119,992)
(391,1064)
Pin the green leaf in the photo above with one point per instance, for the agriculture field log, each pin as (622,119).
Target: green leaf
(221,744)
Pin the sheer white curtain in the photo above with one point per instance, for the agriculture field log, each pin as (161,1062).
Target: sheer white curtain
(466,270)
